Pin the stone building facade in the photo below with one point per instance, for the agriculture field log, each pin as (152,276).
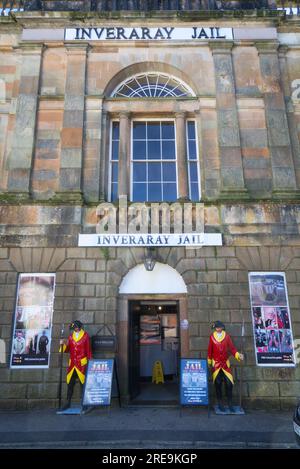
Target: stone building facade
(58,104)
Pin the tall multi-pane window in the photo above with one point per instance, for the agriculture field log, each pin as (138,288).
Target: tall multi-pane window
(192,157)
(114,160)
(153,160)
(154,172)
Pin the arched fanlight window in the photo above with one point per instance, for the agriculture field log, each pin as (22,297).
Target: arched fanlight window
(152,85)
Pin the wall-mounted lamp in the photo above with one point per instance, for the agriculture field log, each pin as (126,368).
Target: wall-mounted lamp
(149,261)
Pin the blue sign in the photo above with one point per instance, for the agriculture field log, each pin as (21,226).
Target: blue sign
(98,382)
(193,382)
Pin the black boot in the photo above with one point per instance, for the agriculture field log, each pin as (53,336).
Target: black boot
(231,408)
(221,408)
(67,405)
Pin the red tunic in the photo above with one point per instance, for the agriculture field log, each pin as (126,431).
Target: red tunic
(80,353)
(218,353)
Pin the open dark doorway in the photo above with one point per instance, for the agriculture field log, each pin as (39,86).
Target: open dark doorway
(153,336)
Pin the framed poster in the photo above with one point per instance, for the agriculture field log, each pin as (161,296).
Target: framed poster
(272,327)
(193,382)
(31,339)
(98,382)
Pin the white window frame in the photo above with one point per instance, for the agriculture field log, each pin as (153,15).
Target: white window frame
(157,119)
(111,161)
(190,92)
(154,119)
(194,161)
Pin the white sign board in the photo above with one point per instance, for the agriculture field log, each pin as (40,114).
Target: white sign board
(148,240)
(112,33)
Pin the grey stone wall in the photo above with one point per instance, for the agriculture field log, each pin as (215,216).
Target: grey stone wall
(87,288)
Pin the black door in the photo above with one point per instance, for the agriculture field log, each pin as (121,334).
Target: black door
(134,349)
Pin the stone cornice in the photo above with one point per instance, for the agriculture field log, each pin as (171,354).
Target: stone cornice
(31,18)
(221,47)
(269,47)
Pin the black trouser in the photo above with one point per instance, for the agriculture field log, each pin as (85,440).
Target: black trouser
(228,386)
(71,385)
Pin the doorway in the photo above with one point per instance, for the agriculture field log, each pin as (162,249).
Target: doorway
(153,337)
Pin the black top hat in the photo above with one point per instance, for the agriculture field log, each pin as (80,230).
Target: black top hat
(218,324)
(76,324)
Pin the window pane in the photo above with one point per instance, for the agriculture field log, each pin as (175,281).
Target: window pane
(154,192)
(154,150)
(192,150)
(114,192)
(169,172)
(154,172)
(178,92)
(139,172)
(153,131)
(170,193)
(194,191)
(115,151)
(139,192)
(193,172)
(168,150)
(139,131)
(191,130)
(139,150)
(114,172)
(167,130)
(115,130)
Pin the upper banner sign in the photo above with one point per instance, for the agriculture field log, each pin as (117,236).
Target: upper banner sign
(148,34)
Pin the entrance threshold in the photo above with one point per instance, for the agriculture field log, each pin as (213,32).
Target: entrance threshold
(165,394)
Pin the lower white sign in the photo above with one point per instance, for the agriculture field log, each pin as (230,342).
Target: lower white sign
(148,240)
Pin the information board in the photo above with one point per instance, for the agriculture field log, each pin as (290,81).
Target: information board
(272,325)
(31,341)
(98,383)
(193,382)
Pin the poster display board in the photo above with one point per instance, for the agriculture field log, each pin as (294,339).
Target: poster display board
(31,339)
(98,382)
(272,327)
(193,382)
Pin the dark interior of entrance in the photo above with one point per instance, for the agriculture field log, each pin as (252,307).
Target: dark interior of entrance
(154,341)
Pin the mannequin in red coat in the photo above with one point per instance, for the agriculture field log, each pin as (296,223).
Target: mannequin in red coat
(220,347)
(78,345)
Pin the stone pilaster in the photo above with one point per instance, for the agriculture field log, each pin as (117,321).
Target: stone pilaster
(21,156)
(73,124)
(124,157)
(104,161)
(122,334)
(183,183)
(208,149)
(232,177)
(93,155)
(284,180)
(292,124)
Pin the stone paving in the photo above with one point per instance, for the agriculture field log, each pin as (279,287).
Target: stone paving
(146,427)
